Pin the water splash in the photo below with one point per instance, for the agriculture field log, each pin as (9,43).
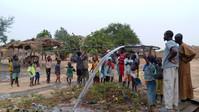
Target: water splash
(91,76)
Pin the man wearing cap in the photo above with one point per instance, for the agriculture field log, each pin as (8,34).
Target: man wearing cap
(186,55)
(170,72)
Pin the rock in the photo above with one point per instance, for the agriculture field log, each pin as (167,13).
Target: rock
(73,101)
(56,109)
(92,102)
(39,107)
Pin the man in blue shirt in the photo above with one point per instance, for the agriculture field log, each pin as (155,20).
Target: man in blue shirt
(170,71)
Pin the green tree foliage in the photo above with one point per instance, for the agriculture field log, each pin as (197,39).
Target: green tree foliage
(122,34)
(97,42)
(109,37)
(12,40)
(44,34)
(71,42)
(4,25)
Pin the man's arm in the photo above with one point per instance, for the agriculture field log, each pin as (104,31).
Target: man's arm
(188,59)
(172,54)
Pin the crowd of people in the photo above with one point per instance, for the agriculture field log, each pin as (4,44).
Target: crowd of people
(167,78)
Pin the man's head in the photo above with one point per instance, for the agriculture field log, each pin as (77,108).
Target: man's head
(49,58)
(168,35)
(178,38)
(79,53)
(15,57)
(128,55)
(58,61)
(30,63)
(109,59)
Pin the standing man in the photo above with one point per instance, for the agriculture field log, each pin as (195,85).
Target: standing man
(170,72)
(186,55)
(16,70)
(85,68)
(79,67)
(10,68)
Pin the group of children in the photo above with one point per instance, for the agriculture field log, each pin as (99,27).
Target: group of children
(34,72)
(127,67)
(123,64)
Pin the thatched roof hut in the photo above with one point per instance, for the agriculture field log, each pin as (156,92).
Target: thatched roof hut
(34,44)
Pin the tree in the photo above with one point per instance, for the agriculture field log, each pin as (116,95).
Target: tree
(97,42)
(44,34)
(71,42)
(12,40)
(61,34)
(4,25)
(109,37)
(122,34)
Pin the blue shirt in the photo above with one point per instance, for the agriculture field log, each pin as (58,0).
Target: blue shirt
(149,71)
(57,68)
(16,67)
(80,64)
(166,63)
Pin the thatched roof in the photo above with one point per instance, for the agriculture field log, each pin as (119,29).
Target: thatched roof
(34,43)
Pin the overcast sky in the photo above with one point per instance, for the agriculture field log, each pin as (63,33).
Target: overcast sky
(148,18)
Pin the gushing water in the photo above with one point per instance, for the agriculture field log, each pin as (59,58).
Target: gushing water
(91,76)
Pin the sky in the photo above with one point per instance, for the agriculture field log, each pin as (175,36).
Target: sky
(148,18)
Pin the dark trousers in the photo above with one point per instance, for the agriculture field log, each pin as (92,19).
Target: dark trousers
(48,74)
(16,80)
(109,79)
(120,78)
(79,76)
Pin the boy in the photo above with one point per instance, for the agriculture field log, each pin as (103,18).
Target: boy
(37,76)
(149,71)
(127,70)
(109,70)
(159,79)
(58,71)
(69,73)
(31,73)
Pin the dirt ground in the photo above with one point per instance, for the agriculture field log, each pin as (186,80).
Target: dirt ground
(195,77)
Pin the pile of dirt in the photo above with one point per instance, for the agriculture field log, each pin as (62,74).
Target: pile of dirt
(196,49)
(113,97)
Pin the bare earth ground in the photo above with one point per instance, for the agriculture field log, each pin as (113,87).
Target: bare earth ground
(24,80)
(195,77)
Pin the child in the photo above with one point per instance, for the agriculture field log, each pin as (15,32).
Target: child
(48,68)
(102,72)
(121,58)
(94,65)
(134,77)
(31,73)
(69,73)
(127,70)
(10,68)
(37,76)
(58,71)
(109,70)
(159,79)
(149,71)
